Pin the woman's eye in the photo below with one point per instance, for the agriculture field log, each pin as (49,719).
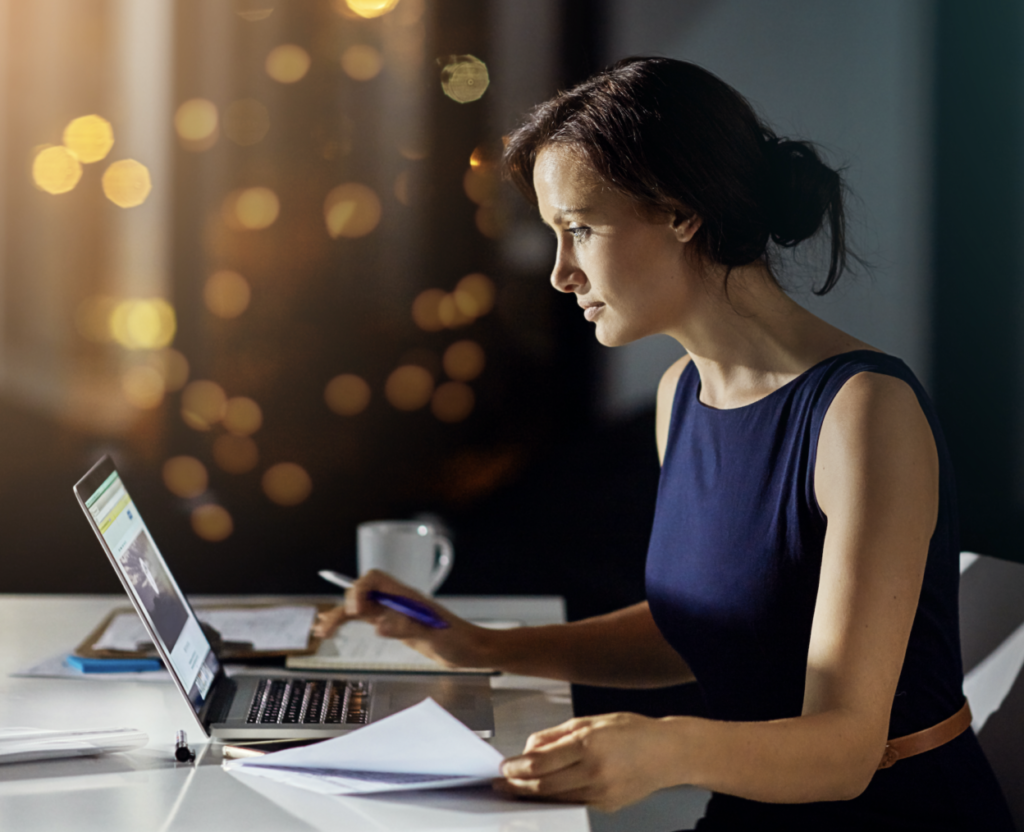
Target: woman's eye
(579,232)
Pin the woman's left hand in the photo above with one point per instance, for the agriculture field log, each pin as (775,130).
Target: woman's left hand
(606,761)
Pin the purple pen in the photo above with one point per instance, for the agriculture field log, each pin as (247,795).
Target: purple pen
(399,603)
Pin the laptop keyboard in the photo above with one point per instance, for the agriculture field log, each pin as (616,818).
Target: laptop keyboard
(309,702)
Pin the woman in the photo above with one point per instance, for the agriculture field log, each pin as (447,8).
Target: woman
(803,564)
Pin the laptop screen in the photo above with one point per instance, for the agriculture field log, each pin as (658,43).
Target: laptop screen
(145,575)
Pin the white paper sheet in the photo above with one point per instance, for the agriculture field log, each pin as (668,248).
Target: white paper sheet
(18,745)
(422,747)
(356,646)
(268,628)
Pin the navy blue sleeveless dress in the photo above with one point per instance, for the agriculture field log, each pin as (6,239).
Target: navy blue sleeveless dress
(732,577)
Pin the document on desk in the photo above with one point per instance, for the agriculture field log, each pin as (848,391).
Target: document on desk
(356,646)
(267,628)
(422,747)
(19,745)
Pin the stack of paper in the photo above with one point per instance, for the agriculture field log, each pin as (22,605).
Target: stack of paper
(422,747)
(18,745)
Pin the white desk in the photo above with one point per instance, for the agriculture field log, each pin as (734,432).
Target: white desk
(145,790)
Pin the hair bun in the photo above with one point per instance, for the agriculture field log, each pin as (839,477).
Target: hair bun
(801,189)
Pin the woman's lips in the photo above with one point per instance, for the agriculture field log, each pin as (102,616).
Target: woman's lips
(591,312)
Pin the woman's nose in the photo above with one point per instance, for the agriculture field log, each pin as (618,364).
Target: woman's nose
(566,275)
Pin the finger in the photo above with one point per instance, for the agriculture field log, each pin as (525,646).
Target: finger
(540,763)
(327,622)
(572,781)
(553,734)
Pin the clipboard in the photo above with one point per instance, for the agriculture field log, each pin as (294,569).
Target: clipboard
(226,650)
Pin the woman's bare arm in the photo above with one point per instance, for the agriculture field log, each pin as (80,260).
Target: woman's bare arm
(876,479)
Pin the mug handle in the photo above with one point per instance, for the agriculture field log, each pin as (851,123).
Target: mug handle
(444,564)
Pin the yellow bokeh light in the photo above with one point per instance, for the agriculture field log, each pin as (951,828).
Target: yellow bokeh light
(347,394)
(56,170)
(366,8)
(126,183)
(175,369)
(450,314)
(402,192)
(453,401)
(287,63)
(226,294)
(143,387)
(474,295)
(185,476)
(203,404)
(212,522)
(464,78)
(89,138)
(254,10)
(425,310)
(481,185)
(195,121)
(362,62)
(287,484)
(144,324)
(242,416)
(235,454)
(246,121)
(409,387)
(351,210)
(252,208)
(464,360)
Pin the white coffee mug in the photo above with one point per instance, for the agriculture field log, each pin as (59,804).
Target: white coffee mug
(411,551)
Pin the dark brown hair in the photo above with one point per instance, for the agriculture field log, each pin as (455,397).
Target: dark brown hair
(675,138)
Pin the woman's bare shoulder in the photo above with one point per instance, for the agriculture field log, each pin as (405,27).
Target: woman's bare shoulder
(666,395)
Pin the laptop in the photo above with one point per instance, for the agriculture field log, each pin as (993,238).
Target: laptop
(265,706)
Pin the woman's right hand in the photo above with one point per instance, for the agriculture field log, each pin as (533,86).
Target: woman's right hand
(460,644)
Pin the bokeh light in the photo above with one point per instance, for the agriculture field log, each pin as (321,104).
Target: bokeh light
(143,387)
(491,221)
(464,78)
(464,360)
(402,191)
(126,183)
(246,121)
(212,522)
(196,121)
(474,295)
(287,63)
(185,476)
(235,454)
(409,387)
(362,62)
(351,210)
(425,310)
(453,401)
(175,369)
(143,324)
(481,184)
(254,10)
(203,404)
(226,294)
(366,8)
(242,416)
(251,208)
(347,394)
(89,138)
(450,313)
(56,170)
(287,484)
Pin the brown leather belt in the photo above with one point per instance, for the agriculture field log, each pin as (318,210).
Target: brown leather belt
(926,740)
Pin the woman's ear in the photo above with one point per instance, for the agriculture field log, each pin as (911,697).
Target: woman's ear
(685,226)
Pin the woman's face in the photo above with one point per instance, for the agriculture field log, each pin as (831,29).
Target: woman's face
(628,271)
